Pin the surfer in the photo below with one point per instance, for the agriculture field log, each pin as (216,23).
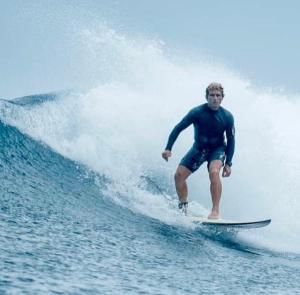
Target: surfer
(211,122)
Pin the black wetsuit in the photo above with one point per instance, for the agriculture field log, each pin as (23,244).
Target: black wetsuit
(209,129)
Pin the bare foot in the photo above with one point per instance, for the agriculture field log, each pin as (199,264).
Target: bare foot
(213,215)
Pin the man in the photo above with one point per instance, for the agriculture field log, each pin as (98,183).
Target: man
(211,122)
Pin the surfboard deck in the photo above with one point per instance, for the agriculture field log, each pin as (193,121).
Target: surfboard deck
(231,223)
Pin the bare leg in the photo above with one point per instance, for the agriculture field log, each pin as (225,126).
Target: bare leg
(215,188)
(181,175)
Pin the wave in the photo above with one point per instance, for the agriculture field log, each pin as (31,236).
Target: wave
(119,128)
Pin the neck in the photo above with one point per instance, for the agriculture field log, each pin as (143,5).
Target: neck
(212,108)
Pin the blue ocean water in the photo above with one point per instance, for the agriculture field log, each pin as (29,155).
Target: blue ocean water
(63,233)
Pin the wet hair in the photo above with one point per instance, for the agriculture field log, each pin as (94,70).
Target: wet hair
(214,86)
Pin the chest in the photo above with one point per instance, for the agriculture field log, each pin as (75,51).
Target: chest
(211,121)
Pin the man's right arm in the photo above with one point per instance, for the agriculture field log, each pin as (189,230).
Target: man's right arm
(183,124)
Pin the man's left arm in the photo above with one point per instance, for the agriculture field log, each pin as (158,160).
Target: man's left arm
(230,138)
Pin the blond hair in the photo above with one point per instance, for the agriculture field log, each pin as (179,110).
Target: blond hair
(214,86)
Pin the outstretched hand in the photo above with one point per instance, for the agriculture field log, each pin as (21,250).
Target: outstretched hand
(166,155)
(226,171)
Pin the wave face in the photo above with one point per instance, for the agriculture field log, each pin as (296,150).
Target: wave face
(87,203)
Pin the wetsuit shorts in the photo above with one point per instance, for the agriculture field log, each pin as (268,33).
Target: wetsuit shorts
(196,157)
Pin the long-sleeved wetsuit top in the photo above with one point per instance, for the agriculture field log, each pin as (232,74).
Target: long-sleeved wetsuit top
(209,129)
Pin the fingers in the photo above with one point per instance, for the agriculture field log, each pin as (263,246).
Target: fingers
(166,155)
(226,172)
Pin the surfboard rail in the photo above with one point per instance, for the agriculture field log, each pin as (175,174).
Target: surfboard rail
(231,223)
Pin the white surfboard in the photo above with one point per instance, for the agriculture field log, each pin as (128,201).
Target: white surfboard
(223,223)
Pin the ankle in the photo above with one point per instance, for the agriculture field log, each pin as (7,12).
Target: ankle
(182,204)
(215,210)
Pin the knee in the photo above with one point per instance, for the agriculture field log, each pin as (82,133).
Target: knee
(214,175)
(178,177)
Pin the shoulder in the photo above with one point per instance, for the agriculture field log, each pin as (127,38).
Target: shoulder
(198,110)
(227,113)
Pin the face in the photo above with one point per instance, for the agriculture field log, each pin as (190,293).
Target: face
(214,99)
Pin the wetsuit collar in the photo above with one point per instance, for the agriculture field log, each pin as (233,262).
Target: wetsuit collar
(211,110)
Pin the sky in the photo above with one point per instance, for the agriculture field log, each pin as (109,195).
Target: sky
(258,39)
